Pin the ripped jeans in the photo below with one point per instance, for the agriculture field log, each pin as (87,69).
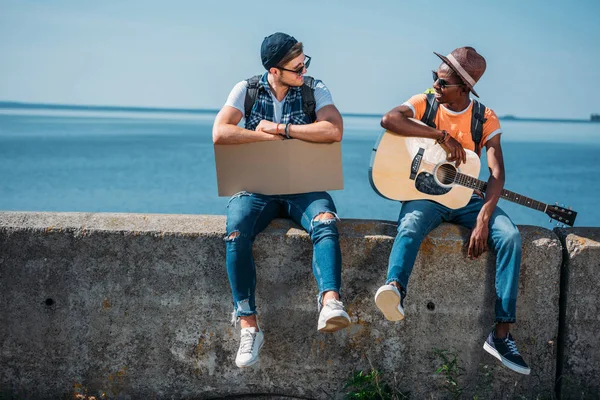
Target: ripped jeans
(248,214)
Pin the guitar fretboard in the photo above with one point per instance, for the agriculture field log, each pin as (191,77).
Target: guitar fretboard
(474,183)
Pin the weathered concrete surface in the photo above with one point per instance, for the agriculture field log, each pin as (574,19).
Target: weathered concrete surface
(581,271)
(138,306)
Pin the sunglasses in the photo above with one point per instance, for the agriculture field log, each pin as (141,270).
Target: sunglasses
(299,70)
(443,83)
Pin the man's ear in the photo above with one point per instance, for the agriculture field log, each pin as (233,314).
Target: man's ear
(274,71)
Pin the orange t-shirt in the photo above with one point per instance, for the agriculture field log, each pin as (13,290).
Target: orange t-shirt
(457,124)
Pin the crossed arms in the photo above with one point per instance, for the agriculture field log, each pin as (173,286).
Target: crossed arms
(327,129)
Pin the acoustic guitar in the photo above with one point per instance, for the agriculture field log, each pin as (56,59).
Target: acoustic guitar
(410,168)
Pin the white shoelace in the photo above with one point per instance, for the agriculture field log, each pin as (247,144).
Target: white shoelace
(247,342)
(512,346)
(335,304)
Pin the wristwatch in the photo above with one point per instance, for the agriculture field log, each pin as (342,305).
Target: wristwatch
(287,130)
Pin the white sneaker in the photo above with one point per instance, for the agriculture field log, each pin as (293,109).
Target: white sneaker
(333,317)
(251,341)
(390,302)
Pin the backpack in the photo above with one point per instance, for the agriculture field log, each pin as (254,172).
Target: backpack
(308,96)
(477,118)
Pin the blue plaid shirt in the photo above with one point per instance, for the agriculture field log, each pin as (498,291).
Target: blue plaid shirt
(263,107)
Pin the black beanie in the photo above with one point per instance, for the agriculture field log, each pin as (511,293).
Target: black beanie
(274,48)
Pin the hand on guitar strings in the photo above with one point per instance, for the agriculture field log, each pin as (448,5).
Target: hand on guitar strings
(455,151)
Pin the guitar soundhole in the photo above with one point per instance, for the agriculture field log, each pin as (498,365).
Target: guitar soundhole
(446,174)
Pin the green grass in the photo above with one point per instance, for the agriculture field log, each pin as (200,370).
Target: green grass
(370,385)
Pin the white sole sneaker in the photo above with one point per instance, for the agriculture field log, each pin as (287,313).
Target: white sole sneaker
(506,362)
(251,362)
(333,324)
(387,300)
(251,341)
(333,317)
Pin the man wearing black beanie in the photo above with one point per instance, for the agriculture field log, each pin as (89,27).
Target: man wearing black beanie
(282,103)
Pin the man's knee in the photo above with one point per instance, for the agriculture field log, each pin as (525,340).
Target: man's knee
(512,238)
(325,216)
(232,236)
(323,224)
(236,236)
(411,224)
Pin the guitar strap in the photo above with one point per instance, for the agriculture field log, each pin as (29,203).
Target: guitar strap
(477,118)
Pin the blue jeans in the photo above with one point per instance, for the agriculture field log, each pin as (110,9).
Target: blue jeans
(419,217)
(248,214)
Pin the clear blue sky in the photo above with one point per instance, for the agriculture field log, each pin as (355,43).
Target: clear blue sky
(543,56)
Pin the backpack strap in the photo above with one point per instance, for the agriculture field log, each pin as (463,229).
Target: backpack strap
(252,86)
(308,98)
(477,118)
(477,121)
(430,111)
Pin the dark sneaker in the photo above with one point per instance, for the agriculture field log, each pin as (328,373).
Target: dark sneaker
(506,351)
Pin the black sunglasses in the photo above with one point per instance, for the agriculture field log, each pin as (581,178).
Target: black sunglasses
(300,70)
(443,83)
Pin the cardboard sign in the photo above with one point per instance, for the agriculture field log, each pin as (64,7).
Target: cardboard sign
(279,167)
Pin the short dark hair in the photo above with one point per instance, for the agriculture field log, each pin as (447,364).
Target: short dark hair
(294,52)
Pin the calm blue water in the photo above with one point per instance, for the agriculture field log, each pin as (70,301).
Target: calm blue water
(165,164)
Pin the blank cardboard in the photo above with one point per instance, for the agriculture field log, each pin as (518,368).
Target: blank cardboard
(279,167)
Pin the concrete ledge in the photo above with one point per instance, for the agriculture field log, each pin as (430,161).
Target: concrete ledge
(581,272)
(137,306)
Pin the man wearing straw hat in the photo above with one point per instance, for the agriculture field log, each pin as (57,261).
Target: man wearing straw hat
(451,125)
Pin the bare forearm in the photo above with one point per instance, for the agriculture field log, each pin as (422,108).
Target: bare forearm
(319,132)
(398,123)
(233,134)
(493,192)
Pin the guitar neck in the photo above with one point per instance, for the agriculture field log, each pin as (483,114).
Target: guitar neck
(476,184)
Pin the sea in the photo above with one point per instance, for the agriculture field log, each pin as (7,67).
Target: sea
(162,162)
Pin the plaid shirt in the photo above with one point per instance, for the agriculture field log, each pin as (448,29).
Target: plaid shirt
(263,106)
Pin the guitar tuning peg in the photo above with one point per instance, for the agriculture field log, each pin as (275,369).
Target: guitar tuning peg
(550,220)
(570,208)
(556,203)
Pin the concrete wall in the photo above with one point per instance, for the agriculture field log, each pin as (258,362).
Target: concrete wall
(138,306)
(580,377)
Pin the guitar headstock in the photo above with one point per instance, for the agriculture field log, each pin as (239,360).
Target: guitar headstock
(563,215)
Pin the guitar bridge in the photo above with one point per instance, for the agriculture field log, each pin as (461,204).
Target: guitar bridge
(416,163)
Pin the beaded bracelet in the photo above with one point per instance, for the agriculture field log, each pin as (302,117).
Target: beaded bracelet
(443,139)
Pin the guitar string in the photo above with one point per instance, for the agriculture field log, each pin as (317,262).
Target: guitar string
(449,174)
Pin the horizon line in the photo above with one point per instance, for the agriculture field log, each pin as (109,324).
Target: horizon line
(82,107)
